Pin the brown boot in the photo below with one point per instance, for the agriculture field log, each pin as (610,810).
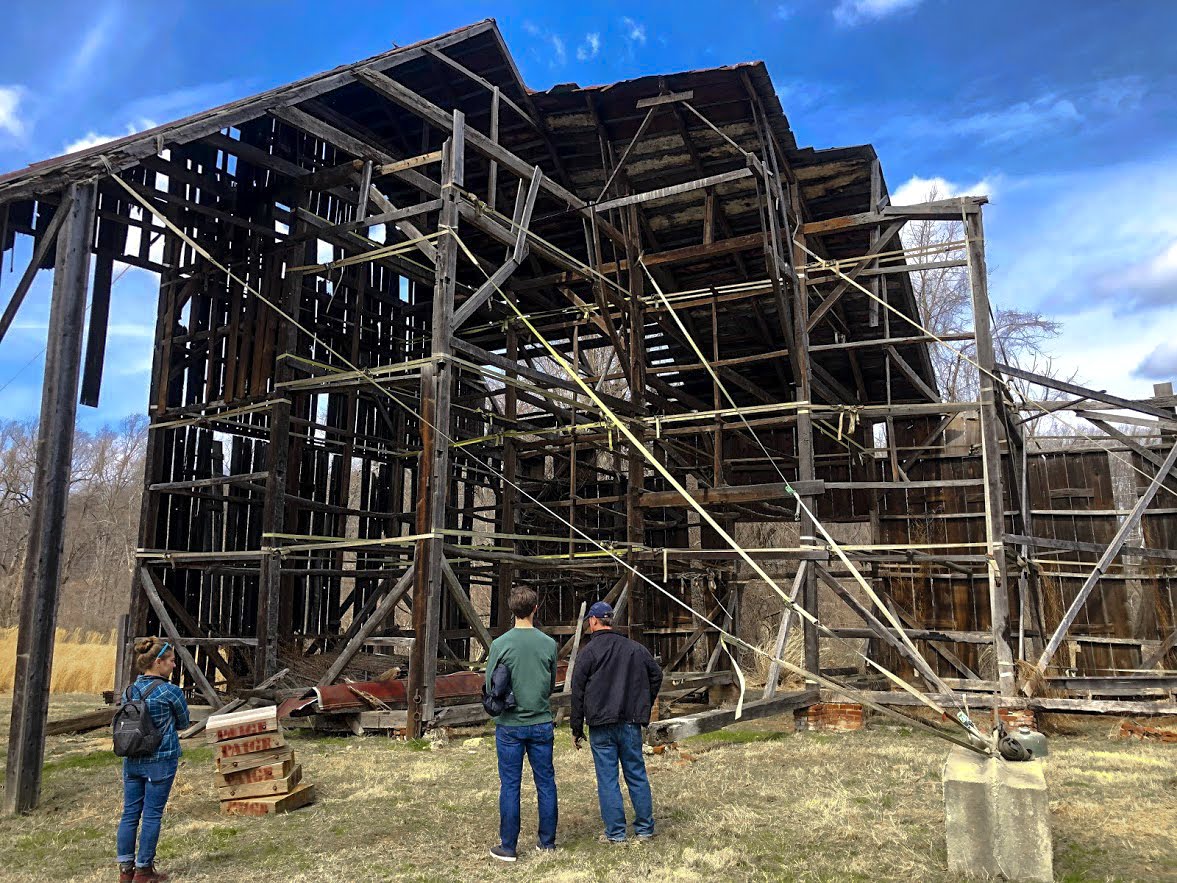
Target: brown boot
(149,875)
(127,873)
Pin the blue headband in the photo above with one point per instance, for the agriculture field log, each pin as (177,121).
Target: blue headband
(166,647)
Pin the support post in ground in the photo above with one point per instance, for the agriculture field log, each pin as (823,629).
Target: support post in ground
(433,469)
(51,482)
(990,457)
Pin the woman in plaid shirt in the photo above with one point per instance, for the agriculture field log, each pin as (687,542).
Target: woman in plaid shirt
(147,781)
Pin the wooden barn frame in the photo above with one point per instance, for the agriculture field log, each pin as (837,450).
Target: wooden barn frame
(363,430)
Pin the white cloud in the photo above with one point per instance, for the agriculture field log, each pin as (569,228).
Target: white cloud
(852,12)
(1160,364)
(1025,117)
(635,32)
(1157,272)
(590,47)
(92,44)
(1090,105)
(559,49)
(917,189)
(10,119)
(783,11)
(93,139)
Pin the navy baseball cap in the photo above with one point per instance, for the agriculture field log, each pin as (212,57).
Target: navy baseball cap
(600,610)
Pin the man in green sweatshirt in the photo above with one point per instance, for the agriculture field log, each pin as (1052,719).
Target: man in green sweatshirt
(527,728)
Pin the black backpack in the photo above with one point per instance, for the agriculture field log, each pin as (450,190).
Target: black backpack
(500,697)
(135,733)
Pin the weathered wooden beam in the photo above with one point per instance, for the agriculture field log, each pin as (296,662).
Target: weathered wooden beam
(1160,652)
(1075,389)
(670,97)
(433,477)
(368,626)
(96,332)
(500,276)
(182,652)
(991,456)
(437,117)
(788,619)
(209,125)
(676,729)
(50,495)
(941,210)
(465,605)
(47,241)
(1109,555)
(911,374)
(857,270)
(482,81)
(749,493)
(673,190)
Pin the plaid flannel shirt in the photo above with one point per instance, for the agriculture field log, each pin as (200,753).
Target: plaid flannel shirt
(168,710)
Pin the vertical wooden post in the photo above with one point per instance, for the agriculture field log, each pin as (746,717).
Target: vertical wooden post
(433,470)
(492,175)
(55,441)
(990,457)
(269,606)
(635,520)
(506,572)
(805,460)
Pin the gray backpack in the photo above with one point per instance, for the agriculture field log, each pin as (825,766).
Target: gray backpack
(135,733)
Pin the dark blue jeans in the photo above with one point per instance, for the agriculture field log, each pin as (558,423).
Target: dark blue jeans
(146,786)
(536,742)
(622,743)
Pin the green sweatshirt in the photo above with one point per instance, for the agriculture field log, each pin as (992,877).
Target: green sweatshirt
(530,655)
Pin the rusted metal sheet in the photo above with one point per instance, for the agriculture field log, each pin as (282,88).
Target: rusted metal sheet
(365,695)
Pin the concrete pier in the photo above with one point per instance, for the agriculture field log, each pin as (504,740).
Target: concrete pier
(997,817)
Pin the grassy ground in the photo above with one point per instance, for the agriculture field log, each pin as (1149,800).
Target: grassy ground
(751,803)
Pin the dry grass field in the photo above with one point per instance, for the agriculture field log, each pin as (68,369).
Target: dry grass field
(756,802)
(83,662)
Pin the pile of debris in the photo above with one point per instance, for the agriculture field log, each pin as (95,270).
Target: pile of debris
(257,773)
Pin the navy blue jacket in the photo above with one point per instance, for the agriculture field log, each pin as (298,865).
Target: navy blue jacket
(615,682)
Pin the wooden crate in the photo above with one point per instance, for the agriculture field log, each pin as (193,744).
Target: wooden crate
(277,770)
(300,796)
(226,765)
(258,744)
(240,724)
(264,788)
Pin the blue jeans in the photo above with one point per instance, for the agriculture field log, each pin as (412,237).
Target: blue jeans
(622,743)
(146,786)
(536,742)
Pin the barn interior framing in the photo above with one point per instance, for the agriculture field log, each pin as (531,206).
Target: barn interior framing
(413,317)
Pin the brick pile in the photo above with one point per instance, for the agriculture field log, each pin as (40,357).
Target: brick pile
(830,717)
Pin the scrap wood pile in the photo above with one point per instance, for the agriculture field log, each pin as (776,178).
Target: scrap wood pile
(257,773)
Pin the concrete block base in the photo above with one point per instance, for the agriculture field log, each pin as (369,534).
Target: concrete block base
(997,817)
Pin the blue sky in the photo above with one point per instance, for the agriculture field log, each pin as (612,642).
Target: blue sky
(1065,114)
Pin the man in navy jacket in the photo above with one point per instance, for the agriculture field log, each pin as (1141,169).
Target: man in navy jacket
(614,686)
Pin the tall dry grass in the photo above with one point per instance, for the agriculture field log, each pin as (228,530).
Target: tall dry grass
(83,661)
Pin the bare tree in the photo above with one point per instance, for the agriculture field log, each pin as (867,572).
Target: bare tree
(101,523)
(945,302)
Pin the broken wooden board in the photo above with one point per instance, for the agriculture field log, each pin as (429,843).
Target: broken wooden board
(264,788)
(240,724)
(82,723)
(675,729)
(265,806)
(264,773)
(226,765)
(249,745)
